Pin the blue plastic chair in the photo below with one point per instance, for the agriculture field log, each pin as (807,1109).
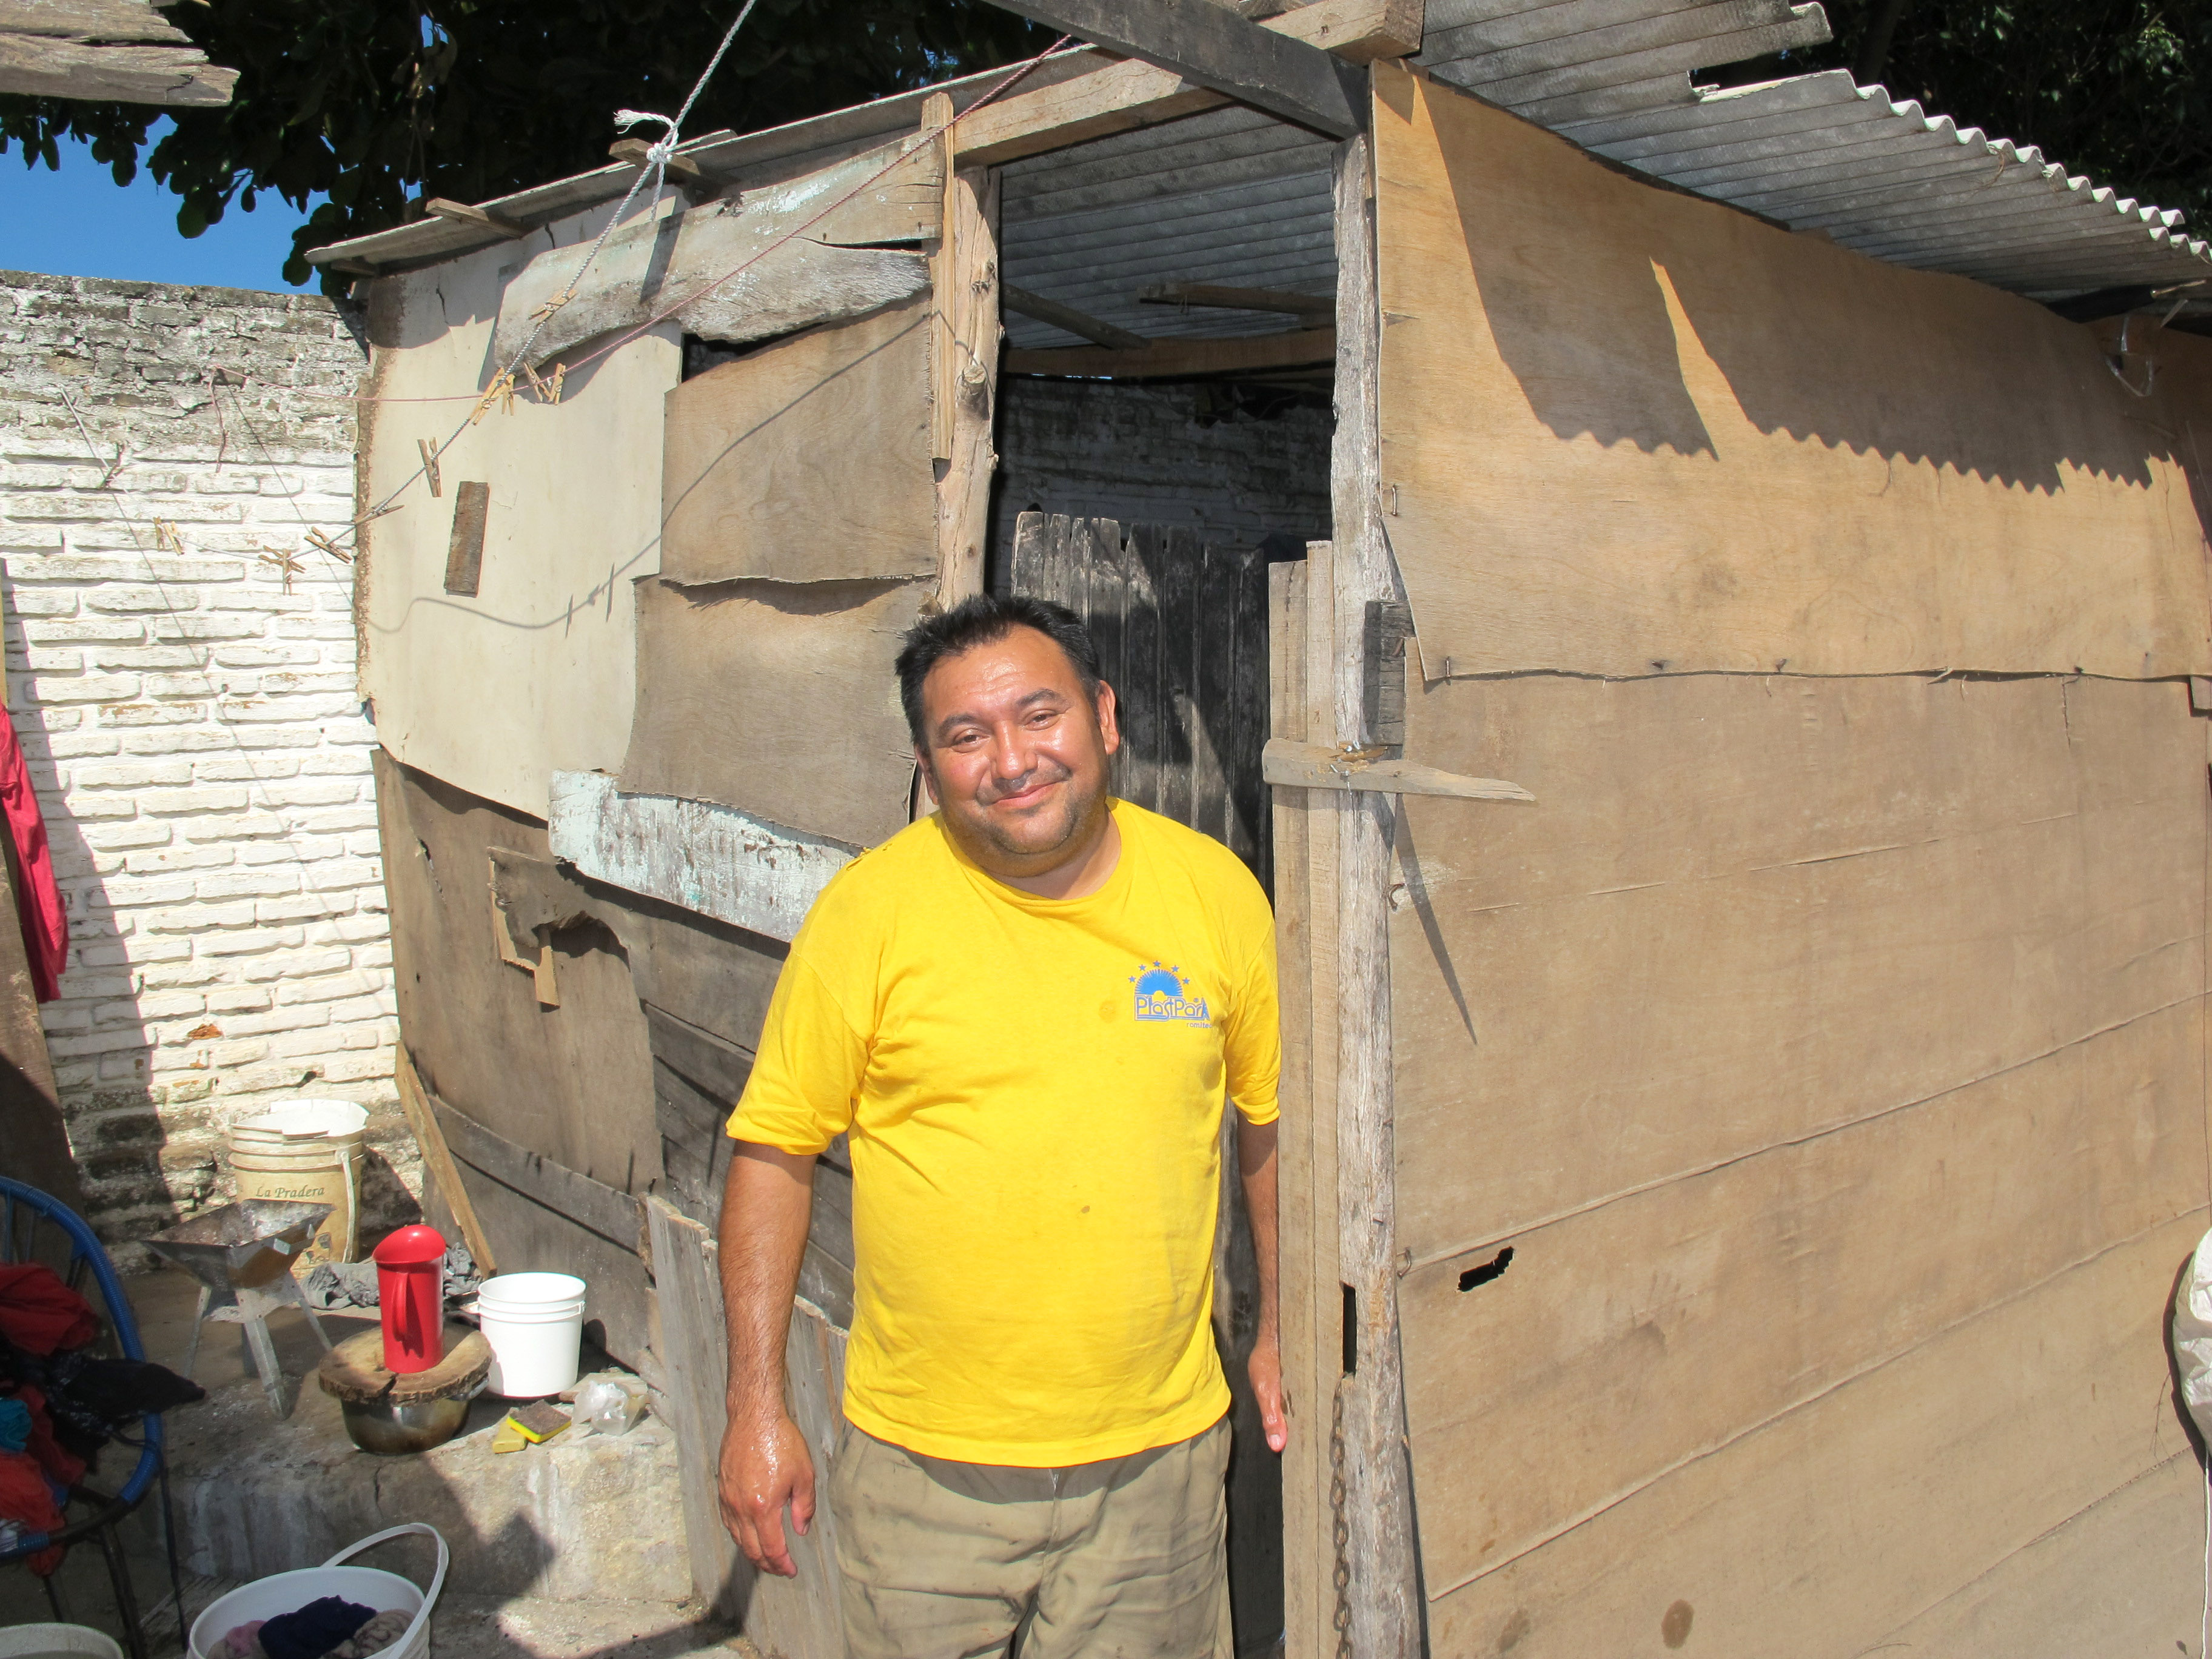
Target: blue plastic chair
(24,1211)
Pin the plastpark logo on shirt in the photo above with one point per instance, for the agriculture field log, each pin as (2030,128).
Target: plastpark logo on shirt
(1162,994)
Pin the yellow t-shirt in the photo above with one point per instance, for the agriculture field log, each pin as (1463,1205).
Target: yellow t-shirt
(1033,1091)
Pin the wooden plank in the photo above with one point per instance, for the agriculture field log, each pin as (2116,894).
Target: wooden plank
(771,267)
(1147,725)
(965,378)
(42,66)
(1309,1379)
(1389,625)
(614,1215)
(681,170)
(537,672)
(1965,878)
(1116,99)
(1320,308)
(1383,1596)
(1245,714)
(2122,1575)
(808,461)
(717,671)
(573,1084)
(697,1078)
(1309,766)
(1903,1484)
(465,550)
(1213,693)
(1216,47)
(1171,556)
(1656,469)
(718,861)
(438,1160)
(112,21)
(1624,1341)
(1183,356)
(795,1617)
(694,1352)
(801,1617)
(462,213)
(1316,682)
(1067,317)
(1358,31)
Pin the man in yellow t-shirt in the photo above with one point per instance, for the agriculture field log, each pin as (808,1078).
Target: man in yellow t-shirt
(1024,1012)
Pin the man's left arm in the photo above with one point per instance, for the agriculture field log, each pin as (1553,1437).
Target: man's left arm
(1256,1163)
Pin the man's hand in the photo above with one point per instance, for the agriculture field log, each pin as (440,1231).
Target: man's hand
(1266,1367)
(765,1466)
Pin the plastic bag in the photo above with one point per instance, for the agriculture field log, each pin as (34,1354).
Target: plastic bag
(610,1403)
(2192,1336)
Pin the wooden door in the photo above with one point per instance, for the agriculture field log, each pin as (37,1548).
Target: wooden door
(1181,620)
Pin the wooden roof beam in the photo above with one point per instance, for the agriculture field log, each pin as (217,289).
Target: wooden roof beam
(1314,307)
(1067,317)
(1175,359)
(682,169)
(1214,47)
(462,214)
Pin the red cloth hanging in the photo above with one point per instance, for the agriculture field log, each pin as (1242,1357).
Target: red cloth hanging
(38,1313)
(37,900)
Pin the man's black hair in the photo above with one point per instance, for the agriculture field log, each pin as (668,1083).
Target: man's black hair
(985,619)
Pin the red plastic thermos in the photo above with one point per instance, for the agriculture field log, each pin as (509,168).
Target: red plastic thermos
(410,1293)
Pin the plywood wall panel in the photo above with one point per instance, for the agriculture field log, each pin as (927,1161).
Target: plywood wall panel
(808,461)
(777,698)
(574,1083)
(1625,1340)
(496,690)
(1819,1534)
(1746,911)
(1626,431)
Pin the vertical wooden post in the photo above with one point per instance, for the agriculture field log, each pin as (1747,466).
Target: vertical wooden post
(1381,1601)
(964,337)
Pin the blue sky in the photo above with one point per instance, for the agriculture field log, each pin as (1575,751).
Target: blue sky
(76,222)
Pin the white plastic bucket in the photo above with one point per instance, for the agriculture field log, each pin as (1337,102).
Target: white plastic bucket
(306,1152)
(535,1324)
(287,1592)
(18,1641)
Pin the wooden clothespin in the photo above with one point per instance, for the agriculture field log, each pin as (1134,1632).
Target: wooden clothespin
(502,386)
(286,562)
(429,462)
(330,547)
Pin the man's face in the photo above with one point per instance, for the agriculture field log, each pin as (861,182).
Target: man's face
(1015,753)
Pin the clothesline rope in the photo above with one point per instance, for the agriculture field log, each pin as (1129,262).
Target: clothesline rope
(502,385)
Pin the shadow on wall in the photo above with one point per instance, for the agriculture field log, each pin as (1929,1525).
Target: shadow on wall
(1579,265)
(148,1148)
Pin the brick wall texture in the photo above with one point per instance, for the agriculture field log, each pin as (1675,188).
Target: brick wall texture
(180,669)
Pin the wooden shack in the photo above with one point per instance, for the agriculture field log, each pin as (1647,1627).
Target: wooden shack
(1731,1197)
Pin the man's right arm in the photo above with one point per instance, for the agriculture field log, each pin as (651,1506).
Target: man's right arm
(765,1465)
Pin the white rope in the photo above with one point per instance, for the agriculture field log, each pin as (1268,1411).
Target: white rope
(665,146)
(658,155)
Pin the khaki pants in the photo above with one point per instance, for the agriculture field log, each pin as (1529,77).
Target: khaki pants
(1106,1560)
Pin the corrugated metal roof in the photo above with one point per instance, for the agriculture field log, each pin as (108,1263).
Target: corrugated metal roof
(1232,197)
(1816,152)
(1236,198)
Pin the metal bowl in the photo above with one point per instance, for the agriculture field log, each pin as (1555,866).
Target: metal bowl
(394,1431)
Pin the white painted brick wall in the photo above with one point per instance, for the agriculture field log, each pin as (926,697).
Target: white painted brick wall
(192,725)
